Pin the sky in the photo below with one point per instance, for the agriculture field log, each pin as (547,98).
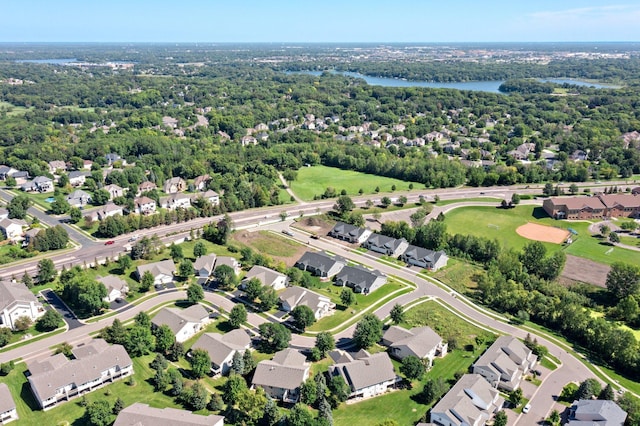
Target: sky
(319,21)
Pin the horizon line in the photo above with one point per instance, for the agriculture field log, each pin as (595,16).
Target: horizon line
(319,42)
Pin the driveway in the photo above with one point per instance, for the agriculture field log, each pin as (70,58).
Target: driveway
(57,303)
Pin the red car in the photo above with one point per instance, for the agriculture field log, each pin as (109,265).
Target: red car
(108,243)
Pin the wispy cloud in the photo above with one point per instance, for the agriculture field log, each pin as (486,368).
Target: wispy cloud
(594,12)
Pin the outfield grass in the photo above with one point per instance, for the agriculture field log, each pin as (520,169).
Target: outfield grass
(501,224)
(312,181)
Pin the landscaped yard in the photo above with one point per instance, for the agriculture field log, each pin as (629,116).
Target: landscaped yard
(312,181)
(501,224)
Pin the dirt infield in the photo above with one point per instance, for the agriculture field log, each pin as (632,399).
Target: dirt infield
(548,234)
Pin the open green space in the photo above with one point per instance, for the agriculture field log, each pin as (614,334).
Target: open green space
(458,275)
(13,110)
(313,181)
(630,241)
(266,242)
(466,200)
(501,224)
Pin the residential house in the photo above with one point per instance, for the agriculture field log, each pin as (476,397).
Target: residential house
(321,264)
(505,362)
(470,402)
(56,378)
(117,288)
(176,201)
(16,301)
(231,262)
(360,279)
(139,414)
(78,198)
(112,158)
(4,213)
(108,210)
(144,205)
(200,182)
(8,412)
(367,375)
(210,196)
(267,277)
(300,296)
(86,164)
(12,228)
(421,342)
(636,190)
(114,191)
(184,323)
(39,183)
(282,376)
(350,233)
(162,271)
(170,122)
(204,265)
(21,177)
(6,171)
(222,348)
(248,140)
(425,258)
(174,185)
(388,246)
(56,165)
(145,187)
(579,155)
(77,178)
(523,151)
(596,413)
(30,235)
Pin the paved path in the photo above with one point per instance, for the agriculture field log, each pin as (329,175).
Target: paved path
(289,191)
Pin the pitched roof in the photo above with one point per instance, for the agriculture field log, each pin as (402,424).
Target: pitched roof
(359,276)
(220,346)
(345,229)
(366,371)
(505,355)
(597,412)
(300,296)
(578,203)
(50,374)
(265,275)
(467,400)
(379,240)
(142,415)
(112,282)
(165,267)
(6,401)
(14,292)
(207,261)
(622,200)
(288,375)
(420,340)
(176,318)
(319,261)
(420,253)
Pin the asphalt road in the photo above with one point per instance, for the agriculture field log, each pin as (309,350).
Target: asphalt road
(57,303)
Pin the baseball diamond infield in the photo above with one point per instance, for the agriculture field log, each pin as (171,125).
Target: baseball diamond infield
(548,234)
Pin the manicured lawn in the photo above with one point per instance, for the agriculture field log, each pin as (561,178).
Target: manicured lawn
(343,314)
(630,241)
(500,224)
(462,200)
(458,275)
(266,242)
(71,411)
(443,322)
(312,181)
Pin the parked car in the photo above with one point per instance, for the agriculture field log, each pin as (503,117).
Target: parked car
(315,236)
(108,243)
(526,408)
(287,232)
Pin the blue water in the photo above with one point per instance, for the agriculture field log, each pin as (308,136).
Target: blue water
(49,200)
(490,86)
(48,61)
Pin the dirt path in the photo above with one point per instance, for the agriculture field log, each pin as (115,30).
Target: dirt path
(289,191)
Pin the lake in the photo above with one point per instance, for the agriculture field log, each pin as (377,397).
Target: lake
(48,61)
(477,86)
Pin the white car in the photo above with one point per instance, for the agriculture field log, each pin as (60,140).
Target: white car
(526,408)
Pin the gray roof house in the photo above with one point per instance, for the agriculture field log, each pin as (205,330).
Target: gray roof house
(204,265)
(139,414)
(300,296)
(588,412)
(268,277)
(229,261)
(422,342)
(321,264)
(282,376)
(174,185)
(116,287)
(367,375)
(360,279)
(222,347)
(79,198)
(162,271)
(471,401)
(114,191)
(6,171)
(504,363)
(379,243)
(16,301)
(350,233)
(108,210)
(77,177)
(184,323)
(8,412)
(424,258)
(56,378)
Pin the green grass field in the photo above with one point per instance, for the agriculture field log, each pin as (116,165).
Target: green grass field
(457,275)
(501,224)
(13,110)
(314,180)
